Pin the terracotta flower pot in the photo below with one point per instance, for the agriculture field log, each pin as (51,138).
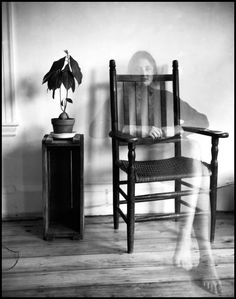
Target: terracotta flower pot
(63,125)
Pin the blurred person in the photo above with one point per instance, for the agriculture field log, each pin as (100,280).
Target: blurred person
(142,63)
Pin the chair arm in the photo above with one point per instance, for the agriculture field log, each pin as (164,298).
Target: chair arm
(124,137)
(149,140)
(127,138)
(203,131)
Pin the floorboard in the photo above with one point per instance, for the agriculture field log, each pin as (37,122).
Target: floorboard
(98,265)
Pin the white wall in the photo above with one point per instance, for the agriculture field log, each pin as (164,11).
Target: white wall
(198,34)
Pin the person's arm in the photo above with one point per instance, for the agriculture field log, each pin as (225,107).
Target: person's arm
(191,117)
(131,129)
(144,131)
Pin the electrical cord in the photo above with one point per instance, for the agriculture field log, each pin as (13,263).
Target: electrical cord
(17,259)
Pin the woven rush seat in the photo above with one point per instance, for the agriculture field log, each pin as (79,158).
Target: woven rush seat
(167,169)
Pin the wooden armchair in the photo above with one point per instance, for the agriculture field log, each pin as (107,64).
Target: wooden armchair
(176,168)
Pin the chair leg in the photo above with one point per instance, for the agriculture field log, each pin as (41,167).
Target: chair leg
(130,224)
(177,203)
(131,198)
(213,200)
(116,197)
(213,186)
(115,208)
(130,215)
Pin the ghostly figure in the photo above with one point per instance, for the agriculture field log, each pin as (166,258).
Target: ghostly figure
(143,63)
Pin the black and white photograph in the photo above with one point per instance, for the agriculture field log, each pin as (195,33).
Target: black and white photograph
(118,149)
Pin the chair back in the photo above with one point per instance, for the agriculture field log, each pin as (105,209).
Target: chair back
(134,103)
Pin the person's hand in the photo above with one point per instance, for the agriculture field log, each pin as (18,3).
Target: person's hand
(155,132)
(171,131)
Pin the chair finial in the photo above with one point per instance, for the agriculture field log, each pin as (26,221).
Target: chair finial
(175,64)
(112,63)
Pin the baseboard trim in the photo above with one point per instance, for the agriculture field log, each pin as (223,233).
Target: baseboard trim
(34,217)
(22,217)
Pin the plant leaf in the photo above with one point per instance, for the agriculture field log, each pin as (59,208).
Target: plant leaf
(76,70)
(58,78)
(57,65)
(67,78)
(69,100)
(47,77)
(73,83)
(52,81)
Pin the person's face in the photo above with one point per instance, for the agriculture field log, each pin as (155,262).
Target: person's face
(144,67)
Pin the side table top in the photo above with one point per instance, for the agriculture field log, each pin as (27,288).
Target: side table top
(49,139)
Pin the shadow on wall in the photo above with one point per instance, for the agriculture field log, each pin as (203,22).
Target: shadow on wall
(100,125)
(98,142)
(22,167)
(28,89)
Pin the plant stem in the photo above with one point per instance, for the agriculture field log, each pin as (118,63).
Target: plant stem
(65,103)
(60,99)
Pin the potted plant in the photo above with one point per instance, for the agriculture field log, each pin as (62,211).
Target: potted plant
(63,73)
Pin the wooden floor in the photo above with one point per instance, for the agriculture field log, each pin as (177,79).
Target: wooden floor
(99,266)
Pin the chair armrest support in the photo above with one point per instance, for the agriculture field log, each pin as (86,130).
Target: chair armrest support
(124,137)
(203,131)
